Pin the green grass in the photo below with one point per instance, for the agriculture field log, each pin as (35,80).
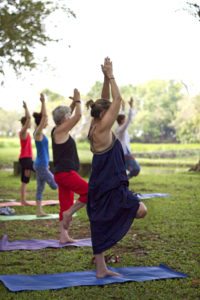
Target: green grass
(10,149)
(136,147)
(8,156)
(169,234)
(13,142)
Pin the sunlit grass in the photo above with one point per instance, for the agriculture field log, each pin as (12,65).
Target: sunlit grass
(10,149)
(169,234)
(136,147)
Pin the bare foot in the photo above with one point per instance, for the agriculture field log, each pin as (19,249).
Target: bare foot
(25,203)
(67,240)
(42,214)
(66,219)
(107,273)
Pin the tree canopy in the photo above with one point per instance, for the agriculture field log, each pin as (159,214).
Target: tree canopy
(53,97)
(194,9)
(187,121)
(22,28)
(160,111)
(163,112)
(158,106)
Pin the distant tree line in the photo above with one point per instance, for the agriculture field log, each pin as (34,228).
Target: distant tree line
(164,112)
(194,9)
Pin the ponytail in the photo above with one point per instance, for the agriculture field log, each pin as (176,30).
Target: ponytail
(97,107)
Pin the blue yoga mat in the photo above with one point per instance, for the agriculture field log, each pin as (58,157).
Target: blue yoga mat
(16,283)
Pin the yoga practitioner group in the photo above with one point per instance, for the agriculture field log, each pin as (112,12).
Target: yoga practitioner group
(111,207)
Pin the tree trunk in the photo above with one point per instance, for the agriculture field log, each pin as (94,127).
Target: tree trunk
(195,168)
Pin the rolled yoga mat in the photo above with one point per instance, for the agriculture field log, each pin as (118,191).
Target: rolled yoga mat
(16,283)
(35,244)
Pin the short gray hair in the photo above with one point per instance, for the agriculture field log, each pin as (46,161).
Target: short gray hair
(60,112)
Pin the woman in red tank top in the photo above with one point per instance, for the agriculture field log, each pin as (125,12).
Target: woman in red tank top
(26,154)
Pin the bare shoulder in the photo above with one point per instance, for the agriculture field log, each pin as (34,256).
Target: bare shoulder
(60,136)
(102,139)
(23,133)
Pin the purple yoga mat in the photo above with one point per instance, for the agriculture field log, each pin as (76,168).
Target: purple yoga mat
(39,244)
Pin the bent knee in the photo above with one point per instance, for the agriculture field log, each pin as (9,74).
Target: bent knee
(135,172)
(142,211)
(53,185)
(27,173)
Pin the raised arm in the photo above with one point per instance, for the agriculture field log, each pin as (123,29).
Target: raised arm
(131,102)
(44,119)
(105,94)
(130,113)
(43,106)
(27,123)
(72,105)
(123,107)
(111,114)
(71,122)
(124,126)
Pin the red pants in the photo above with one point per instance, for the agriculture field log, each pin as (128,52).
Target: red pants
(68,184)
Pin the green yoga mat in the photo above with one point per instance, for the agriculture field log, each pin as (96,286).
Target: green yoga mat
(27,217)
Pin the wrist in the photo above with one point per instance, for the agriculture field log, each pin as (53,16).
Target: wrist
(77,101)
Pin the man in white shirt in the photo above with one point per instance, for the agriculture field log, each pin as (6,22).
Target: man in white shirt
(122,134)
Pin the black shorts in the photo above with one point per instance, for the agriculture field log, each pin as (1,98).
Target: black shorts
(26,164)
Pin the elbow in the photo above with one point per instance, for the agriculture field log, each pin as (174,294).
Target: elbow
(119,99)
(79,115)
(44,118)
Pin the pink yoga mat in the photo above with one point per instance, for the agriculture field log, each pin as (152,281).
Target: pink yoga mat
(32,203)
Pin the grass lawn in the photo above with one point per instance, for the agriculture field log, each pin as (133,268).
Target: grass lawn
(169,234)
(10,149)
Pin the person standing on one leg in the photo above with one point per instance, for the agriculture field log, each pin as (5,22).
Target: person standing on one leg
(41,164)
(111,207)
(26,154)
(122,134)
(66,164)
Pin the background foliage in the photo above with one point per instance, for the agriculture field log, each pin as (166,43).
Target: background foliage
(164,112)
(23,28)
